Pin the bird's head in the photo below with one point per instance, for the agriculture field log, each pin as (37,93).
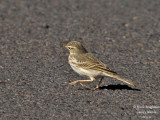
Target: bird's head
(75,47)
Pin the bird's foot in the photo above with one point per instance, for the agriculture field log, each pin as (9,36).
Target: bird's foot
(73,83)
(95,88)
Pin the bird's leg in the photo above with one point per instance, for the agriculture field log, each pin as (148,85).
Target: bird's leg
(81,81)
(100,81)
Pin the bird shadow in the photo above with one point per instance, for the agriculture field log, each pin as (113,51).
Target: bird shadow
(118,87)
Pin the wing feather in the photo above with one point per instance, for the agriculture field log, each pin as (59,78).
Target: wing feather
(88,61)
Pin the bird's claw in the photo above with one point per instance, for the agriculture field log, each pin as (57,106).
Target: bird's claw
(96,88)
(73,83)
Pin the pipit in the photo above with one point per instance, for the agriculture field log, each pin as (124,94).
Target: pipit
(86,64)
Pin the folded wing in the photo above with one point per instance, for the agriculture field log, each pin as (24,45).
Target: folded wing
(88,61)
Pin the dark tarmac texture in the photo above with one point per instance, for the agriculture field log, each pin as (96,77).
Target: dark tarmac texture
(34,69)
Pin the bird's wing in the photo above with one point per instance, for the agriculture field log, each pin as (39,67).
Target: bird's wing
(88,61)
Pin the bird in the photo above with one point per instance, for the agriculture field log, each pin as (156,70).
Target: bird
(84,63)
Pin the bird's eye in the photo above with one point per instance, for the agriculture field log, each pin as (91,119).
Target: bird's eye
(70,48)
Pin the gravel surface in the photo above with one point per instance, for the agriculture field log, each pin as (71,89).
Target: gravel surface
(34,69)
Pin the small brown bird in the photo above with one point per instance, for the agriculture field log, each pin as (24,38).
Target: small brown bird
(85,63)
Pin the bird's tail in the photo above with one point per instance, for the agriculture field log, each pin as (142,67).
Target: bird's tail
(110,74)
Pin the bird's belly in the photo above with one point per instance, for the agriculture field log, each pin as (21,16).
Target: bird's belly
(86,72)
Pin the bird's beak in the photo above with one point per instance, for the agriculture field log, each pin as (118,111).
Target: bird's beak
(65,46)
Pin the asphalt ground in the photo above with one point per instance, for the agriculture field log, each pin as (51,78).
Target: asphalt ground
(35,74)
